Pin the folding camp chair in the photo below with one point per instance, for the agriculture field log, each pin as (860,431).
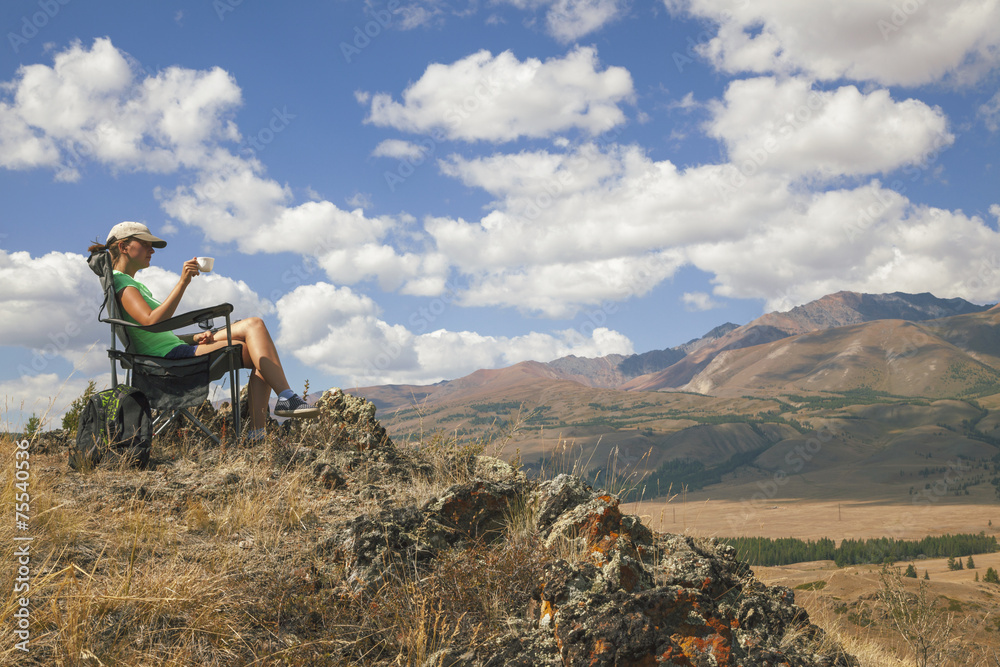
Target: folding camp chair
(171,385)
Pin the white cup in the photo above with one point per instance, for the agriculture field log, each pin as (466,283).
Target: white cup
(205,264)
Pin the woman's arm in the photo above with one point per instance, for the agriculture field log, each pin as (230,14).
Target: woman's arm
(136,306)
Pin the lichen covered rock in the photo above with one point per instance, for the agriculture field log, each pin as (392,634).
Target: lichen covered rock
(345,422)
(620,595)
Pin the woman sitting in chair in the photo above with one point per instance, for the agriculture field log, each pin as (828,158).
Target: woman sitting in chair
(131,246)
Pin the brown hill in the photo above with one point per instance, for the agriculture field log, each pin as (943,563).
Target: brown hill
(892,356)
(835,310)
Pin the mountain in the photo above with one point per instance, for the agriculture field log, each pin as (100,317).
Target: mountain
(852,393)
(892,356)
(680,366)
(835,310)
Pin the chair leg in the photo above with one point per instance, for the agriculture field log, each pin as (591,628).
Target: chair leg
(168,417)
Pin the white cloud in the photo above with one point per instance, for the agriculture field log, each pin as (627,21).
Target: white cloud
(499,98)
(569,231)
(569,20)
(576,229)
(340,332)
(699,301)
(907,43)
(867,239)
(397,148)
(97,105)
(50,305)
(787,126)
(93,105)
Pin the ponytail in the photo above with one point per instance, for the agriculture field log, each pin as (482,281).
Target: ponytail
(112,247)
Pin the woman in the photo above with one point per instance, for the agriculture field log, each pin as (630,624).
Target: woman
(131,246)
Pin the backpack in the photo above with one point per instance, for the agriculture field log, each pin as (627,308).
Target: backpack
(116,425)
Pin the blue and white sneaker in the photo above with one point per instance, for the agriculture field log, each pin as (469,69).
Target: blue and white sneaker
(295,407)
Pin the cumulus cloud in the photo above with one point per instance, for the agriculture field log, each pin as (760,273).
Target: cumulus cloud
(94,104)
(787,126)
(50,304)
(499,98)
(341,332)
(568,231)
(905,43)
(868,239)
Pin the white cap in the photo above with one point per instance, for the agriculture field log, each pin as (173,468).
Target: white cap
(135,230)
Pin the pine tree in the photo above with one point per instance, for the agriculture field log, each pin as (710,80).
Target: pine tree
(970,564)
(33,426)
(71,419)
(926,576)
(910,571)
(991,576)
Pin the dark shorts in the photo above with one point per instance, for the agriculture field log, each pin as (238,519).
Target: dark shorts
(181,352)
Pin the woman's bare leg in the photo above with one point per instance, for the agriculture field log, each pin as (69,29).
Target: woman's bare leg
(259,395)
(258,351)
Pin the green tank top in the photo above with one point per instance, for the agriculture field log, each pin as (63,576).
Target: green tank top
(145,342)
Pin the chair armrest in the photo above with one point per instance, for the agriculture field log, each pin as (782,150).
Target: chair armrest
(178,321)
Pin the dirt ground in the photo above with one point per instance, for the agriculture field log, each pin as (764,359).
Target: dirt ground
(811,520)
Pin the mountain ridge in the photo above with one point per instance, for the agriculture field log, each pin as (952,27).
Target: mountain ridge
(678,367)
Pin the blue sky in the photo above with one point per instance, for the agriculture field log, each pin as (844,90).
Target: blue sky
(410,191)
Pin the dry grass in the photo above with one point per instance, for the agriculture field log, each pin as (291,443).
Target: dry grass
(210,558)
(213,558)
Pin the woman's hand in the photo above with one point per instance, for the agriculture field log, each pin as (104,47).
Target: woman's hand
(204,338)
(190,270)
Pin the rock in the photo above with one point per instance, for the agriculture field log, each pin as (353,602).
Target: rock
(345,422)
(52,442)
(479,509)
(493,469)
(627,597)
